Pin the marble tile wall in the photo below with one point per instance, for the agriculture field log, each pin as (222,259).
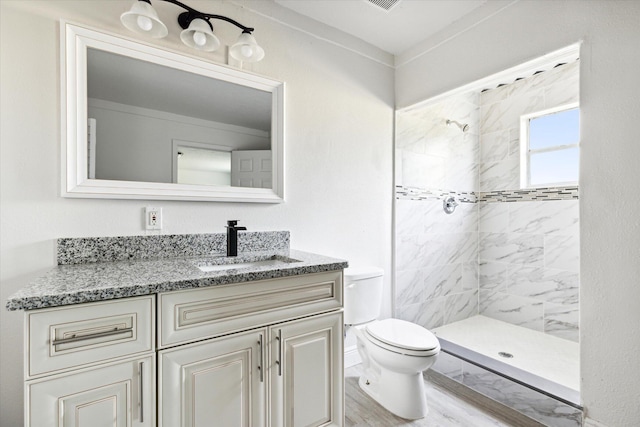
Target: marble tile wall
(507,255)
(529,265)
(437,253)
(529,250)
(436,262)
(432,155)
(500,111)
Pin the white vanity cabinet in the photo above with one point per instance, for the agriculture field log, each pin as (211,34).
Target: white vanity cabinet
(286,370)
(263,353)
(91,365)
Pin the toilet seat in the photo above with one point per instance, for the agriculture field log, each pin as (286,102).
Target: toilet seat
(403,337)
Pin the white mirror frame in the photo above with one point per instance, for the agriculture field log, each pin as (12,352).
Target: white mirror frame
(75,40)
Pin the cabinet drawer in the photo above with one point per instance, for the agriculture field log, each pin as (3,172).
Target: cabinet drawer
(71,336)
(204,313)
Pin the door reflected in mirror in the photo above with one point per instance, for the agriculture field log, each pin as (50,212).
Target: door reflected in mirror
(202,164)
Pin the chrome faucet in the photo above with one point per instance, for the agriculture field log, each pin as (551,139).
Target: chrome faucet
(232,237)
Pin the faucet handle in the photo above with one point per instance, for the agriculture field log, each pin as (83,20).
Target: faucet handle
(233,224)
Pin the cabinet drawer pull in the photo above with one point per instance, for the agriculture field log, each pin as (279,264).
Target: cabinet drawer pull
(141,389)
(260,362)
(74,338)
(279,361)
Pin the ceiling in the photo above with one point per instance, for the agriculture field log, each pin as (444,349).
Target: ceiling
(406,24)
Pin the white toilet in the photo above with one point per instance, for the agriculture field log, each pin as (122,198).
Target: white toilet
(394,352)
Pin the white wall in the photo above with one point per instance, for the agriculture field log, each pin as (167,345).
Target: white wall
(609,202)
(339,123)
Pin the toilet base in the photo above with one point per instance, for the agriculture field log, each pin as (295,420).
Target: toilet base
(400,394)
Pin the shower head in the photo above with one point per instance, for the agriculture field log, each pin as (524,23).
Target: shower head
(463,126)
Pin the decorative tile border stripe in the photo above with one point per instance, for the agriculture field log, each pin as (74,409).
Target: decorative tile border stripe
(413,193)
(535,194)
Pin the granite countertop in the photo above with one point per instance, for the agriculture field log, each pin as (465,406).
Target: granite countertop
(98,281)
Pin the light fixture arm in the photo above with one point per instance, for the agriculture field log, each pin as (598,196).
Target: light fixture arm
(185,18)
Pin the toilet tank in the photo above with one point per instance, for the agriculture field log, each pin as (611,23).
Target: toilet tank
(362,294)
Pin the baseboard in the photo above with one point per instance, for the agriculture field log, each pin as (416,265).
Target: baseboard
(351,357)
(588,422)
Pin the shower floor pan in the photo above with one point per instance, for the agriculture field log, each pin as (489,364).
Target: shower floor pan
(536,360)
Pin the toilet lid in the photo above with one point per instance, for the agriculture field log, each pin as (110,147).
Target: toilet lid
(403,334)
(362,272)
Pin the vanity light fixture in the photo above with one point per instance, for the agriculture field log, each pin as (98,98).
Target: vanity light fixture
(197,30)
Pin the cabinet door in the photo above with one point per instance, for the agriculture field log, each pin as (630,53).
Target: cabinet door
(218,382)
(118,395)
(307,372)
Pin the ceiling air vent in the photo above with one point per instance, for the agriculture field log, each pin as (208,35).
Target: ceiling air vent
(384,4)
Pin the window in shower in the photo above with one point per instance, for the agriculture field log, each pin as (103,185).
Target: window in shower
(550,147)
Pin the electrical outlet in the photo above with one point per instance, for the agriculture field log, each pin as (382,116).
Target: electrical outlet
(153,218)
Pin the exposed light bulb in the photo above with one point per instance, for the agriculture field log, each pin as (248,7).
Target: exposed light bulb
(246,50)
(199,38)
(144,22)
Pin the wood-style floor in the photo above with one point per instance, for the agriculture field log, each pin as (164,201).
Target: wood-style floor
(449,405)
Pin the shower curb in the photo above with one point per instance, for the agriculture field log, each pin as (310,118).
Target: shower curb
(493,407)
(529,401)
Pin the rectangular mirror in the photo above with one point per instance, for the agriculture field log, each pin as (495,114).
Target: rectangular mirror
(144,123)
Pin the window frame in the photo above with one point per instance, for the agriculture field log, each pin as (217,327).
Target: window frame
(525,151)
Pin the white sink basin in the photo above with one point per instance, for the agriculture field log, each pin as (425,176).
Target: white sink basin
(248,264)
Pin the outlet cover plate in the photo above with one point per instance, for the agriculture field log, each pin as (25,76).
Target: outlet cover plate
(152,218)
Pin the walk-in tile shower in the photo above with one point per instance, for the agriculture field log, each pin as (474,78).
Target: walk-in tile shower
(497,278)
